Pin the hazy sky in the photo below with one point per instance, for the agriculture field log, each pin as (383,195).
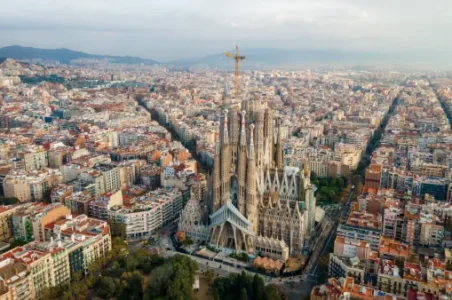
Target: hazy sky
(169,29)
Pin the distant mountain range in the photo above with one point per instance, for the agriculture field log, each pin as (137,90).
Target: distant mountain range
(66,56)
(256,58)
(263,57)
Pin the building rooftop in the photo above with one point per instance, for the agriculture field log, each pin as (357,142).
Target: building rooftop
(393,248)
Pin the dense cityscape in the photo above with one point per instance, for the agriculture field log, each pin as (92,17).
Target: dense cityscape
(123,181)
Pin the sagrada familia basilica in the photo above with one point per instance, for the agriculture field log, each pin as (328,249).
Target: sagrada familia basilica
(255,203)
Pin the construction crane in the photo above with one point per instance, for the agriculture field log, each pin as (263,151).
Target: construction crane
(237,59)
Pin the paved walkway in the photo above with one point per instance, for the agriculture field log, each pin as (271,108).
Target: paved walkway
(219,268)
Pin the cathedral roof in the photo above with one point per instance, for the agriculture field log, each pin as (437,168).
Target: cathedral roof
(270,243)
(229,213)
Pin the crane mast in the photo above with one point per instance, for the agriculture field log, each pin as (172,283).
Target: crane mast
(237,59)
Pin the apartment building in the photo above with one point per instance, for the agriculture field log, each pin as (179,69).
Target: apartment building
(351,248)
(57,157)
(16,283)
(59,252)
(150,176)
(48,215)
(95,179)
(61,192)
(78,203)
(346,288)
(30,272)
(149,212)
(85,239)
(33,158)
(373,176)
(348,154)
(431,235)
(340,266)
(100,207)
(30,186)
(6,213)
(27,270)
(70,172)
(30,219)
(112,178)
(362,226)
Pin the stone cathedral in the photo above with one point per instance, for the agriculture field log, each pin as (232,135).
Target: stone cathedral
(256,204)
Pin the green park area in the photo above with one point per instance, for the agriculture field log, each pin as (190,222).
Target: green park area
(329,189)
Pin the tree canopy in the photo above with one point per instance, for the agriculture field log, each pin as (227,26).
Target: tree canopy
(329,189)
(173,280)
(243,286)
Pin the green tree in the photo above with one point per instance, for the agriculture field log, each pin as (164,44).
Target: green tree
(274,292)
(336,199)
(187,242)
(9,201)
(106,287)
(117,229)
(340,183)
(17,243)
(231,288)
(313,176)
(133,287)
(332,181)
(174,279)
(53,292)
(243,294)
(258,287)
(130,263)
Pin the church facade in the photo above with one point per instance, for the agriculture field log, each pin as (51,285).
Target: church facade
(255,201)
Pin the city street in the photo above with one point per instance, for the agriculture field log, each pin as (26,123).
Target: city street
(327,234)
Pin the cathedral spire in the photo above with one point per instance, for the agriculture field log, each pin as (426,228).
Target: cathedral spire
(279,151)
(251,203)
(266,153)
(251,149)
(217,143)
(234,134)
(225,162)
(241,167)
(225,128)
(242,128)
(216,180)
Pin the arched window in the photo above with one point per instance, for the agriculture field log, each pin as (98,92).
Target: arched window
(261,228)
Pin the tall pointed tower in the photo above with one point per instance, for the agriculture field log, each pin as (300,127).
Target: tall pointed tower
(269,134)
(279,150)
(241,166)
(259,139)
(225,162)
(251,203)
(216,180)
(235,132)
